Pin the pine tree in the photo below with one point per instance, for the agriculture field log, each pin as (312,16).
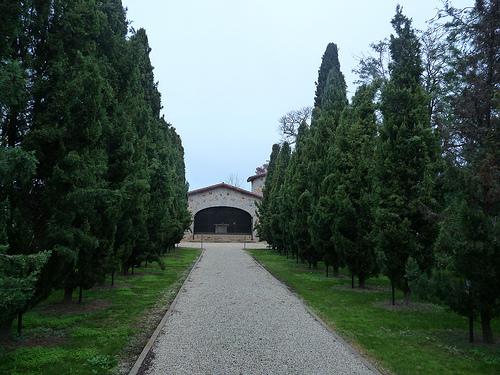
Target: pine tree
(406,156)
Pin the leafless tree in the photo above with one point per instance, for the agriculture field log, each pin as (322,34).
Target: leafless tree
(290,122)
(234,179)
(262,169)
(374,66)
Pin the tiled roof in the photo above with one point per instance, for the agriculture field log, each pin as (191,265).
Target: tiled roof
(260,175)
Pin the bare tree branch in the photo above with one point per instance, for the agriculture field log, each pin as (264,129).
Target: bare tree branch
(290,122)
(234,179)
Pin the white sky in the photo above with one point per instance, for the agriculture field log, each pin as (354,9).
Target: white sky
(228,69)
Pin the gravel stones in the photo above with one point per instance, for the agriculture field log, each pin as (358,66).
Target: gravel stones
(232,317)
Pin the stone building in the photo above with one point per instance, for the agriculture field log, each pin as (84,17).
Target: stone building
(223,212)
(257,182)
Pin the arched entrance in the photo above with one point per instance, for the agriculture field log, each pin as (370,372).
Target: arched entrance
(222,220)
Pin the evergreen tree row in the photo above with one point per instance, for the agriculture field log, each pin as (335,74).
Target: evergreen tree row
(403,180)
(92,178)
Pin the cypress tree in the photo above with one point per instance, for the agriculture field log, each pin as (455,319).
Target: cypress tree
(297,198)
(19,270)
(277,237)
(468,238)
(19,275)
(333,100)
(77,210)
(98,174)
(353,199)
(329,61)
(406,157)
(263,213)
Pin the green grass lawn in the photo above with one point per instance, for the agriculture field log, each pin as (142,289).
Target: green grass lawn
(423,339)
(111,326)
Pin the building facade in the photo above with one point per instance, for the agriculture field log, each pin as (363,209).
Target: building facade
(223,212)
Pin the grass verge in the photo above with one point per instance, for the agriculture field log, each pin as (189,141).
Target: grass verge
(106,333)
(419,339)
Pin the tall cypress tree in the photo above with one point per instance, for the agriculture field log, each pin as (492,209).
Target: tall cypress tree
(297,198)
(75,211)
(406,157)
(353,198)
(333,100)
(263,213)
(329,61)
(107,187)
(278,236)
(19,269)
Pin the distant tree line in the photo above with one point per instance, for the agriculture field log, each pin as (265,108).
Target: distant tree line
(404,179)
(92,177)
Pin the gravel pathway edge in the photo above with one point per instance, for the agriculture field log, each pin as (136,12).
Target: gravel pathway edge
(139,366)
(377,369)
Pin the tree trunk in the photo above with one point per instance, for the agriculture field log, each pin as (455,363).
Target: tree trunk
(393,293)
(132,269)
(362,281)
(80,295)
(297,257)
(113,278)
(68,294)
(407,293)
(19,323)
(5,329)
(471,328)
(327,270)
(352,280)
(336,270)
(486,327)
(12,129)
(407,297)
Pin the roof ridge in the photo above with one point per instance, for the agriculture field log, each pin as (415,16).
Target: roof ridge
(227,186)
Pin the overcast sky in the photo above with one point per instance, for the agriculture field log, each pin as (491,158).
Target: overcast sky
(228,69)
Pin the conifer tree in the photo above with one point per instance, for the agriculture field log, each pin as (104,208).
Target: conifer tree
(406,157)
(353,199)
(469,233)
(19,270)
(99,177)
(19,275)
(329,61)
(297,198)
(332,102)
(263,213)
(277,237)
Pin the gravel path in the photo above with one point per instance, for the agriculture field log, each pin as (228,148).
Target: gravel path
(233,317)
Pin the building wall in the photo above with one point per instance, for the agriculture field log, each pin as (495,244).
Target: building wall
(258,185)
(222,197)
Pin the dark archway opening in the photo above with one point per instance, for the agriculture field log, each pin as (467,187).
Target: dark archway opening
(222,220)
